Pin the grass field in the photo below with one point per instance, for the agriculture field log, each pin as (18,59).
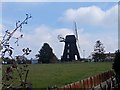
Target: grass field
(44,75)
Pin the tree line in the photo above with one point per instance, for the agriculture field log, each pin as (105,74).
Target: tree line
(46,55)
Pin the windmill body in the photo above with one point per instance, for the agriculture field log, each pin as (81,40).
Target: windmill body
(70,52)
(70,49)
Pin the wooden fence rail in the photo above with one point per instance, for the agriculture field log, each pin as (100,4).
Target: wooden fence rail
(88,83)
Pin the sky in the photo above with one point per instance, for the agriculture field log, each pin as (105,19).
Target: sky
(95,21)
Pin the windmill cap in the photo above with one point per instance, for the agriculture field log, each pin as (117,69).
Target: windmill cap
(70,38)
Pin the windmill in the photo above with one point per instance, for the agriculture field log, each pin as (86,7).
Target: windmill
(70,52)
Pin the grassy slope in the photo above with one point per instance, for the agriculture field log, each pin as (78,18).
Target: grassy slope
(44,75)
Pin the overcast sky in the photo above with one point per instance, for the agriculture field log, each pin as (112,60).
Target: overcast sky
(95,21)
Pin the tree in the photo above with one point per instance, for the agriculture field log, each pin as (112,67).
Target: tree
(98,54)
(116,66)
(7,60)
(46,54)
(13,75)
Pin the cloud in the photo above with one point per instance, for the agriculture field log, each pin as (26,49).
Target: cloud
(83,14)
(110,43)
(0,30)
(92,15)
(2,27)
(97,20)
(44,34)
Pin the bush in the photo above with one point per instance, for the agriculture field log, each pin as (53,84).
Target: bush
(116,66)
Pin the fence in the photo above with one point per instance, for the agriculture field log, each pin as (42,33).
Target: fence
(101,80)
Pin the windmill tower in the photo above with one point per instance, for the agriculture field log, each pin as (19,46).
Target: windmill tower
(70,52)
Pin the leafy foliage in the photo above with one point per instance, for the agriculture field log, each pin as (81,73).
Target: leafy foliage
(9,79)
(46,54)
(98,54)
(116,66)
(15,77)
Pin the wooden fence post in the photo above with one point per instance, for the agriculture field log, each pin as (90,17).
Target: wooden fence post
(72,86)
(94,78)
(91,81)
(67,87)
(84,84)
(77,85)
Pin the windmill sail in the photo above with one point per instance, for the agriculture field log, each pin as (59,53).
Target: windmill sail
(76,34)
(77,38)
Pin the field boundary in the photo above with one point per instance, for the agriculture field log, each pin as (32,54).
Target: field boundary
(100,81)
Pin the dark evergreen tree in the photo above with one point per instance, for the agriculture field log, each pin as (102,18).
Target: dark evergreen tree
(116,66)
(46,54)
(98,54)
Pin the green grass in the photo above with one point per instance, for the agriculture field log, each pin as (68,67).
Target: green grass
(44,75)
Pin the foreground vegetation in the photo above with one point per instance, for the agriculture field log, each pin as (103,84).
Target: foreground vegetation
(44,75)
